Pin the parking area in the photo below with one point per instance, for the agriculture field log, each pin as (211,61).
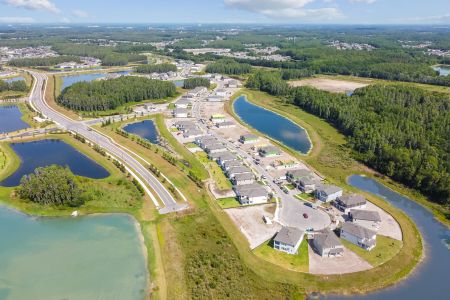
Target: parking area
(349,262)
(250,222)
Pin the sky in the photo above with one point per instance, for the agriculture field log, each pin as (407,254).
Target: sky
(227,11)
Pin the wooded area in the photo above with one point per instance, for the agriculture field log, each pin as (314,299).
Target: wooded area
(229,67)
(157,68)
(16,86)
(191,83)
(43,62)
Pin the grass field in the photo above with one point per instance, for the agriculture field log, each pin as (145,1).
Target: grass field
(230,202)
(385,249)
(216,172)
(296,262)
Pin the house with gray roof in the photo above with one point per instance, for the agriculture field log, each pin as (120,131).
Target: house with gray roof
(216,155)
(181,112)
(327,193)
(231,164)
(251,194)
(327,244)
(228,156)
(192,133)
(232,172)
(307,184)
(241,179)
(216,147)
(359,235)
(294,175)
(352,201)
(369,219)
(269,151)
(288,240)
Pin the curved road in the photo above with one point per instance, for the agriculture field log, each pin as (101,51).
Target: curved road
(145,177)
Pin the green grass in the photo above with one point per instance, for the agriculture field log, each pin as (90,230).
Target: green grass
(289,186)
(230,202)
(385,249)
(191,145)
(216,172)
(296,262)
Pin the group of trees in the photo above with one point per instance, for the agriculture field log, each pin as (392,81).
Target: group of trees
(109,94)
(53,185)
(194,82)
(157,68)
(43,62)
(399,130)
(16,86)
(230,67)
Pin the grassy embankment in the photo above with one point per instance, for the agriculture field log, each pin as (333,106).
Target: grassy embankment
(219,178)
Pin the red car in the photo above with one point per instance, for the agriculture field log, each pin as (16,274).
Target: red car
(305,215)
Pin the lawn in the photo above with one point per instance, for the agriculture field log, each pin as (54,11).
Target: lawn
(216,172)
(298,262)
(231,202)
(385,249)
(191,145)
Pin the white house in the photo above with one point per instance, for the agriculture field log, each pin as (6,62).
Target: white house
(218,118)
(181,113)
(232,172)
(248,138)
(251,194)
(359,235)
(327,193)
(242,179)
(227,156)
(347,202)
(226,124)
(182,103)
(327,244)
(288,240)
(215,148)
(369,219)
(231,164)
(221,92)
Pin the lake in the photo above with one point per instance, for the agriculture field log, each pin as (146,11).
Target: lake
(69,80)
(431,279)
(145,129)
(10,119)
(273,125)
(178,83)
(48,152)
(443,70)
(89,258)
(12,79)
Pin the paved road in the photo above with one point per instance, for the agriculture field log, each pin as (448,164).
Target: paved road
(119,152)
(291,210)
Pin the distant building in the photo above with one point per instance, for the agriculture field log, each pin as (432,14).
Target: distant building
(182,103)
(288,240)
(359,235)
(327,244)
(222,93)
(226,124)
(215,99)
(327,193)
(231,164)
(215,148)
(232,172)
(197,92)
(243,179)
(248,138)
(192,133)
(251,194)
(347,202)
(307,184)
(295,175)
(218,118)
(181,113)
(228,156)
(269,151)
(369,219)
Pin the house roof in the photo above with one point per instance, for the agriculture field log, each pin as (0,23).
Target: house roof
(327,239)
(357,230)
(180,110)
(239,170)
(328,189)
(299,173)
(352,200)
(232,163)
(289,236)
(245,176)
(249,137)
(215,146)
(250,190)
(270,149)
(367,215)
(228,156)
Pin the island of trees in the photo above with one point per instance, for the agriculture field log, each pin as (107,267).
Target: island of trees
(157,68)
(109,94)
(228,66)
(44,61)
(191,83)
(398,130)
(16,86)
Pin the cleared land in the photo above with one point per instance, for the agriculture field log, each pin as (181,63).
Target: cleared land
(330,85)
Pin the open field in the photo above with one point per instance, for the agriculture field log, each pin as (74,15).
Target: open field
(330,85)
(221,181)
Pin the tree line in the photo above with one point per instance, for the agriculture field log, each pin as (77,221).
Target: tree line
(156,68)
(43,62)
(194,82)
(227,66)
(399,130)
(16,86)
(109,94)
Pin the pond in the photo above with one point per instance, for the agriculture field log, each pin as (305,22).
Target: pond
(69,80)
(443,70)
(48,152)
(10,119)
(273,125)
(178,83)
(12,79)
(430,280)
(145,129)
(92,257)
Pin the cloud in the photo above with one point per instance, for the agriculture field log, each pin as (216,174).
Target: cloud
(363,1)
(286,9)
(80,13)
(44,5)
(429,19)
(16,20)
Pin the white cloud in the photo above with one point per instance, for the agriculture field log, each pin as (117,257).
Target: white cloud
(16,20)
(363,1)
(429,19)
(80,13)
(44,5)
(289,9)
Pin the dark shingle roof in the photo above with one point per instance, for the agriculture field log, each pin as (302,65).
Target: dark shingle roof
(358,231)
(367,215)
(289,236)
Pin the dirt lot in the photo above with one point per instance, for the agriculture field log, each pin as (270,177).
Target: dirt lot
(330,85)
(389,227)
(250,221)
(349,262)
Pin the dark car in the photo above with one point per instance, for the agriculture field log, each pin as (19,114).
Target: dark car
(305,215)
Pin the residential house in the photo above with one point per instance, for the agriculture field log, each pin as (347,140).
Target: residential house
(327,244)
(369,219)
(181,112)
(288,240)
(202,140)
(295,175)
(215,156)
(228,156)
(248,138)
(192,133)
(352,201)
(231,164)
(232,172)
(241,179)
(285,165)
(251,194)
(359,235)
(222,92)
(215,98)
(327,193)
(218,118)
(226,124)
(182,103)
(215,148)
(307,184)
(198,91)
(269,151)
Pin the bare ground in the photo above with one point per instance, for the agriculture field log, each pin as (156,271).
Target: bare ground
(330,85)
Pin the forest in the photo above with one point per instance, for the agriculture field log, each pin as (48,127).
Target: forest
(191,83)
(43,62)
(229,67)
(109,94)
(399,130)
(156,68)
(16,86)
